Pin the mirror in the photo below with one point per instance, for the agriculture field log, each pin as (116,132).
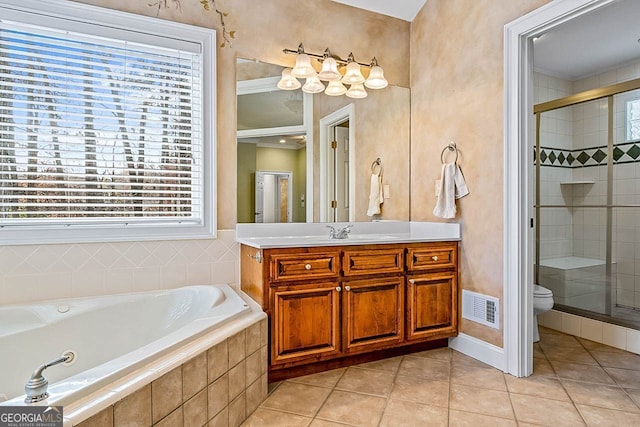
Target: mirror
(290,133)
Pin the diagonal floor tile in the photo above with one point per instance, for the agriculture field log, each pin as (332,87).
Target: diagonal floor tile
(262,417)
(472,375)
(576,371)
(421,390)
(469,419)
(482,401)
(412,414)
(432,369)
(321,379)
(387,365)
(602,417)
(301,399)
(622,360)
(601,395)
(625,377)
(540,386)
(568,354)
(352,408)
(366,381)
(547,412)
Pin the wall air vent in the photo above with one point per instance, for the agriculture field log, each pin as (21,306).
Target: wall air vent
(481,308)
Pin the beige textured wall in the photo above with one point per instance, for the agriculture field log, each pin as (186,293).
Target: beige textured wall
(457,94)
(263,29)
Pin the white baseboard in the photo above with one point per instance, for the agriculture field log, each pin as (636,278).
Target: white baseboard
(480,350)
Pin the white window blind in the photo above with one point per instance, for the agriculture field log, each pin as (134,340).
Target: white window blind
(102,131)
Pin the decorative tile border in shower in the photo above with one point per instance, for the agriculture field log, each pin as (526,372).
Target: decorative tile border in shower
(628,152)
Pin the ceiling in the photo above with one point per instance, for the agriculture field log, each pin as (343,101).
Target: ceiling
(584,46)
(402,9)
(592,43)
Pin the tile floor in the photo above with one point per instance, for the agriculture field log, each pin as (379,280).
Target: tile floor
(576,382)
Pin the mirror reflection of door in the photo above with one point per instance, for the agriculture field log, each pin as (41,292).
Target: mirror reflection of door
(338,174)
(273,197)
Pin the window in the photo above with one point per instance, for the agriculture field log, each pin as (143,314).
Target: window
(106,132)
(633,119)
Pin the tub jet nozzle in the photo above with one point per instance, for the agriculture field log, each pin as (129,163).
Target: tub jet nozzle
(36,387)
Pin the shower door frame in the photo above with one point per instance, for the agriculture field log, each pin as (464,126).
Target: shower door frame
(608,92)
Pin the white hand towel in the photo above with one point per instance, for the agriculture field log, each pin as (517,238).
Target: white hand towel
(452,187)
(375,195)
(461,185)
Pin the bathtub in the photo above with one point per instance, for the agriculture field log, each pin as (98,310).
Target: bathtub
(113,337)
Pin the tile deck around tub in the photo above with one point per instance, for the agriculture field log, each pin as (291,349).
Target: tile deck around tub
(576,382)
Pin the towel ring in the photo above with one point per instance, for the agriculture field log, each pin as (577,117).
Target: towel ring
(377,163)
(450,147)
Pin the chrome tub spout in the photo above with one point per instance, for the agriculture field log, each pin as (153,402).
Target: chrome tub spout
(36,387)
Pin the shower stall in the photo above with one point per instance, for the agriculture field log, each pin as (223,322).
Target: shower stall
(587,189)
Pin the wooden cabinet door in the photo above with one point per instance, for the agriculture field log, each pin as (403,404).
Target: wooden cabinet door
(373,313)
(305,322)
(432,301)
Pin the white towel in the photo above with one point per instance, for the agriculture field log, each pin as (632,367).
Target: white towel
(375,195)
(452,187)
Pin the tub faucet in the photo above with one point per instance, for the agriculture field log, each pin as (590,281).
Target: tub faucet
(36,387)
(342,233)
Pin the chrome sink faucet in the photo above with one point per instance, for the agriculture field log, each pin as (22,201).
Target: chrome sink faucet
(342,233)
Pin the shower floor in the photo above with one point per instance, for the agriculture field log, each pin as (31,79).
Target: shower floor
(581,286)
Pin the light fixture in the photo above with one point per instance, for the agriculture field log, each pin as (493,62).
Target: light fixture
(353,76)
(313,85)
(335,88)
(303,68)
(356,91)
(282,141)
(331,71)
(376,78)
(287,81)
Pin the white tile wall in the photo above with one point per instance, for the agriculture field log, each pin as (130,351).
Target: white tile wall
(556,237)
(43,272)
(594,330)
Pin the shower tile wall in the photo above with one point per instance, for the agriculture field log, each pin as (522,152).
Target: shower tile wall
(42,272)
(587,233)
(556,239)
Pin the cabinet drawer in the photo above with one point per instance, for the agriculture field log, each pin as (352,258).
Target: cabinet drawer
(372,261)
(290,267)
(432,257)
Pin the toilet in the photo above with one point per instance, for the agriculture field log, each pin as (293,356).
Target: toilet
(542,302)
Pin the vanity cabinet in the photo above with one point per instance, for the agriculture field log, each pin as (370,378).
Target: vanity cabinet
(332,304)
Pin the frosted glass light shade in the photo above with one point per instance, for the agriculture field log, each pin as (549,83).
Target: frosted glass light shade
(329,70)
(357,91)
(353,76)
(335,88)
(303,68)
(287,81)
(313,85)
(376,78)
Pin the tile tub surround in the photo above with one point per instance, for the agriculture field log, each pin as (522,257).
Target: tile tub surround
(223,382)
(31,273)
(289,235)
(575,382)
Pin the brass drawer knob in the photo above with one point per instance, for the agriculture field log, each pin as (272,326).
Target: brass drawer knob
(307,266)
(435,257)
